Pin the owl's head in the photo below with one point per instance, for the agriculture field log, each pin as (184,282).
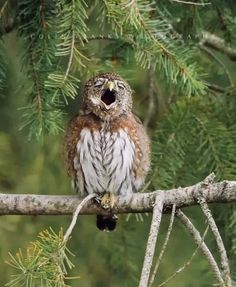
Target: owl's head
(107,95)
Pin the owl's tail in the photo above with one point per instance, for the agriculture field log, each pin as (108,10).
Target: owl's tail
(106,222)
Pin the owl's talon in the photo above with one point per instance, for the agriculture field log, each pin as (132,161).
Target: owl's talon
(98,199)
(108,200)
(112,200)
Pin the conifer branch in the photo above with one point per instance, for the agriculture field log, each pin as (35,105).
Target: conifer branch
(32,204)
(154,44)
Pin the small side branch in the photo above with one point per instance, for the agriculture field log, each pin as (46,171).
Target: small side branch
(218,44)
(151,244)
(186,264)
(221,63)
(191,2)
(223,255)
(164,245)
(197,238)
(76,214)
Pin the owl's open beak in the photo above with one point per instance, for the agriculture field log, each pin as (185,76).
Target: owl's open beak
(109,94)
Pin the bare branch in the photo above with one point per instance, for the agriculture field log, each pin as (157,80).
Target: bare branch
(219,242)
(164,245)
(197,238)
(152,238)
(218,44)
(215,88)
(186,264)
(191,3)
(76,214)
(32,204)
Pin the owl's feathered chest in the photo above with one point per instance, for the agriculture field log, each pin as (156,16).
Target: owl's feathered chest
(104,161)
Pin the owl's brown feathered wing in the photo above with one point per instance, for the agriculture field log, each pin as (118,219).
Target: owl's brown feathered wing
(142,143)
(73,134)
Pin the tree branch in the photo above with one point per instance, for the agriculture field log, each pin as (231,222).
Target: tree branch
(186,264)
(32,204)
(163,246)
(223,255)
(76,214)
(152,238)
(202,246)
(218,44)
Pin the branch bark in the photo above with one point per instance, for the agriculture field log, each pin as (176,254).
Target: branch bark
(218,44)
(32,204)
(152,238)
(186,264)
(163,246)
(202,246)
(223,255)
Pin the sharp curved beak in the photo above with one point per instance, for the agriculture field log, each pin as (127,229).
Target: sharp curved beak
(110,85)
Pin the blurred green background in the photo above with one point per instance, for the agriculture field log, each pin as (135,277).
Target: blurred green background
(191,137)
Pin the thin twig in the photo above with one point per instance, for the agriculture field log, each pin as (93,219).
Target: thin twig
(197,238)
(76,214)
(152,238)
(191,3)
(151,92)
(164,246)
(216,88)
(218,44)
(211,54)
(3,8)
(223,255)
(130,3)
(186,264)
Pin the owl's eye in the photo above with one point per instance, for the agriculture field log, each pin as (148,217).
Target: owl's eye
(99,83)
(120,85)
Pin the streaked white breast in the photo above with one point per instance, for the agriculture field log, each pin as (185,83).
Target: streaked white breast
(104,162)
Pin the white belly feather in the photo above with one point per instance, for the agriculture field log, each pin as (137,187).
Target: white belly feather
(104,162)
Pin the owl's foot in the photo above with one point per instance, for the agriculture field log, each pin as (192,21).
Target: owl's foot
(108,200)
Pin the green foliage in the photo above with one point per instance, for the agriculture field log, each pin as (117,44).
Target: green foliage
(71,33)
(56,34)
(45,262)
(208,147)
(37,31)
(155,43)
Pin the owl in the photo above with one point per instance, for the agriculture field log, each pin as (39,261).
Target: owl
(106,147)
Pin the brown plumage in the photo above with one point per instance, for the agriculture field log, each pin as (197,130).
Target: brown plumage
(106,147)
